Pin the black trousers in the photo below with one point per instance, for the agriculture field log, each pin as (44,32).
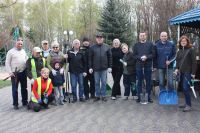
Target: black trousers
(22,79)
(89,88)
(36,106)
(116,74)
(129,81)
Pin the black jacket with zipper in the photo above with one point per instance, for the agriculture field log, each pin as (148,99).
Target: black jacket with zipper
(77,62)
(100,57)
(131,63)
(189,63)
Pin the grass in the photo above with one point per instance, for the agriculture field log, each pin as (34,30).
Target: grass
(5,83)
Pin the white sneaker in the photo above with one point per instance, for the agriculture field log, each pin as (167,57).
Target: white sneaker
(113,98)
(135,97)
(125,98)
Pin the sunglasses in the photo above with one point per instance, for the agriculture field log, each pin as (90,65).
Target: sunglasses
(55,47)
(45,44)
(99,36)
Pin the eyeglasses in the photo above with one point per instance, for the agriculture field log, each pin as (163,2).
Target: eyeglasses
(55,47)
(99,36)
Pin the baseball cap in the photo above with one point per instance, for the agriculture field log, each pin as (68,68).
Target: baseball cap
(36,49)
(99,34)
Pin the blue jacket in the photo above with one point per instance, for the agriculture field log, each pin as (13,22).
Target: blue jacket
(163,53)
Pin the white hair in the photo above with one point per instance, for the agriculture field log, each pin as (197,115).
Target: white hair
(76,41)
(116,40)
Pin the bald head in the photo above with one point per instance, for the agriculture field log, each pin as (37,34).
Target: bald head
(163,36)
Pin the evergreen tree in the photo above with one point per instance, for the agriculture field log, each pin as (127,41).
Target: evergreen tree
(115,21)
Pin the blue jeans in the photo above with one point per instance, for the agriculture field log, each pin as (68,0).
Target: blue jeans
(100,76)
(22,79)
(162,74)
(185,78)
(58,93)
(77,79)
(144,73)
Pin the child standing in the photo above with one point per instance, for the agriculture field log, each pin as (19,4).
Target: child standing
(58,81)
(129,73)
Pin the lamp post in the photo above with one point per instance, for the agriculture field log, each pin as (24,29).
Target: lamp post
(70,36)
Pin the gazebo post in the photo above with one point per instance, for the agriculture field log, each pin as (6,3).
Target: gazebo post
(178,32)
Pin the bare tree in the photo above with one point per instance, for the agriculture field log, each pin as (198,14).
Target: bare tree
(6,5)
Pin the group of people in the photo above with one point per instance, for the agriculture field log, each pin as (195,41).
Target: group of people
(88,66)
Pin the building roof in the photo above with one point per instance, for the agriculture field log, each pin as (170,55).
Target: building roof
(190,18)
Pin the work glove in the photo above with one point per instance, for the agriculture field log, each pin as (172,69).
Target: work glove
(143,58)
(193,76)
(45,100)
(32,81)
(53,72)
(90,70)
(84,74)
(62,71)
(39,101)
(123,62)
(109,70)
(176,72)
(65,56)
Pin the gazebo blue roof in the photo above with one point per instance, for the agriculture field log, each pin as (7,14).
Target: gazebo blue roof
(189,17)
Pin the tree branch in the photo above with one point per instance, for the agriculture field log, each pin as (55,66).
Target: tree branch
(6,6)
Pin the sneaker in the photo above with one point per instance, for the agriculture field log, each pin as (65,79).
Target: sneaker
(74,100)
(113,98)
(135,97)
(16,107)
(65,100)
(86,98)
(104,99)
(118,96)
(81,100)
(96,99)
(61,103)
(24,104)
(182,106)
(138,101)
(125,98)
(150,101)
(92,96)
(187,108)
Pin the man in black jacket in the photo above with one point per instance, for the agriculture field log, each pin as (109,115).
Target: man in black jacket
(144,53)
(88,88)
(100,60)
(77,69)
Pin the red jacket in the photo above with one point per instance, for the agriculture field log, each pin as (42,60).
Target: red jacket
(43,85)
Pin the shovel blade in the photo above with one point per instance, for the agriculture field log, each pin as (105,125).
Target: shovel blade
(168,97)
(195,95)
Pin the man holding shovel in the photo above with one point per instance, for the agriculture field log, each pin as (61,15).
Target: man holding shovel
(16,65)
(165,55)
